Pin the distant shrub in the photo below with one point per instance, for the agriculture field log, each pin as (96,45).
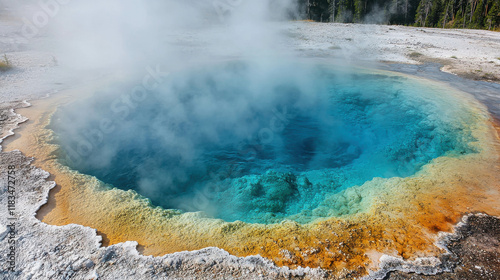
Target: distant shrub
(5,64)
(415,55)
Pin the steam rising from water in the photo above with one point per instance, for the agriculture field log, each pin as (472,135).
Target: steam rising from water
(132,34)
(261,141)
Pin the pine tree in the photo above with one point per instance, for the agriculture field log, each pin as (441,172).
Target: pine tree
(478,15)
(360,10)
(423,11)
(493,18)
(436,11)
(446,14)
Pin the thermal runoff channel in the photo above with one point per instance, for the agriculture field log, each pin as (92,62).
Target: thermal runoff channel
(261,142)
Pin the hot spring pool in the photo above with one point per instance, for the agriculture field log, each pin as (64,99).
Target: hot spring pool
(261,142)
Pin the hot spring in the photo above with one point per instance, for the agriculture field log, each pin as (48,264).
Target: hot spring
(261,142)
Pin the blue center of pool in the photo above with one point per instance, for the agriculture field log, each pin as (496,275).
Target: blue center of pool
(260,142)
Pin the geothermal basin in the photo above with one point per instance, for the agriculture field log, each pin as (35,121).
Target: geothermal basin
(304,163)
(263,143)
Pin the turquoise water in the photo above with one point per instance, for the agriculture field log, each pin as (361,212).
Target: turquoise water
(261,142)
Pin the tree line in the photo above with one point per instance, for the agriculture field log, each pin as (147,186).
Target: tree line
(478,14)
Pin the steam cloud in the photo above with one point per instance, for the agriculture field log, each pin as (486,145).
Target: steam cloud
(131,34)
(205,92)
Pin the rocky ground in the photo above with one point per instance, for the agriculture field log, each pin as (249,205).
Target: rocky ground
(74,252)
(474,252)
(472,54)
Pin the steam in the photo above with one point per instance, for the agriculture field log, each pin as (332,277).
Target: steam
(209,98)
(258,140)
(131,34)
(151,41)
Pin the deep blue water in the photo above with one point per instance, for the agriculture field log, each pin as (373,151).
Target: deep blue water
(260,142)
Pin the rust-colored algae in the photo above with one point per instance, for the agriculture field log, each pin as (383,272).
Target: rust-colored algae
(402,215)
